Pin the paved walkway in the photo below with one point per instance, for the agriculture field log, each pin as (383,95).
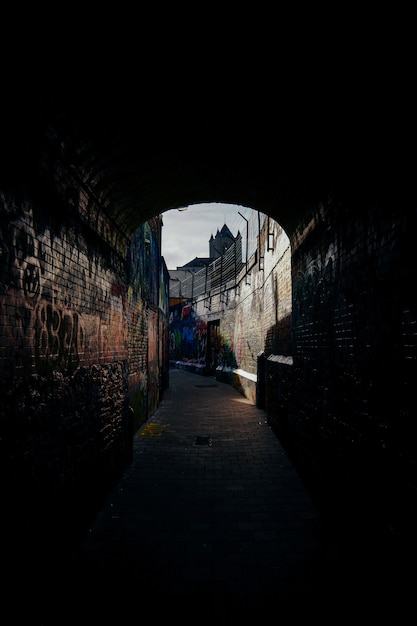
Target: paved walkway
(211,508)
(212,520)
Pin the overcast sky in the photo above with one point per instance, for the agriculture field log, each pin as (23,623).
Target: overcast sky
(186,234)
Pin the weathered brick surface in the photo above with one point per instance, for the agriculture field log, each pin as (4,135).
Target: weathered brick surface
(74,355)
(328,328)
(355,360)
(80,304)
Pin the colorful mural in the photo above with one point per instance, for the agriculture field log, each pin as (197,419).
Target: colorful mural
(197,341)
(188,334)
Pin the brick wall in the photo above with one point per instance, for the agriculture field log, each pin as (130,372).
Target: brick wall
(253,313)
(78,323)
(350,409)
(330,321)
(322,334)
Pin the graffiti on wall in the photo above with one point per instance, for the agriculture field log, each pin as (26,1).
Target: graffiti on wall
(199,341)
(188,335)
(61,301)
(153,387)
(59,338)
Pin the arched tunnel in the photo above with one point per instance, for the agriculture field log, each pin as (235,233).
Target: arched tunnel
(336,178)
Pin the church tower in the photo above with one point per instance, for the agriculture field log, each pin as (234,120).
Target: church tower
(221,242)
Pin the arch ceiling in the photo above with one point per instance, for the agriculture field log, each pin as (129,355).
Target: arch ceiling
(140,155)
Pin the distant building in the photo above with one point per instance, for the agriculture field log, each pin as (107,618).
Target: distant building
(218,247)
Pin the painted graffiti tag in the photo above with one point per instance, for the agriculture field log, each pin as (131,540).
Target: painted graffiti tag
(59,337)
